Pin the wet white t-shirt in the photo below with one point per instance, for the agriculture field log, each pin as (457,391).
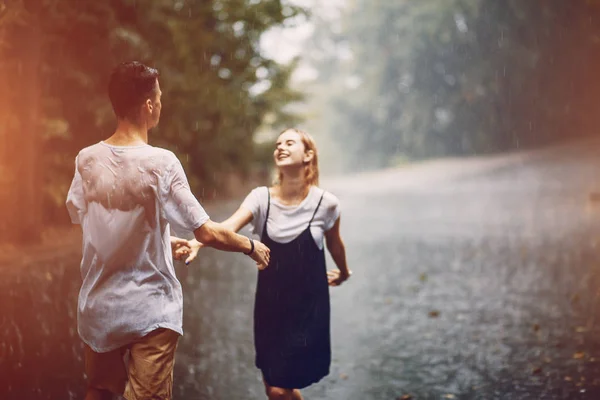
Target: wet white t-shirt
(126,199)
(285,223)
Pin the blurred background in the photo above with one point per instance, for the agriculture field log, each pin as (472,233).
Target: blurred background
(461,137)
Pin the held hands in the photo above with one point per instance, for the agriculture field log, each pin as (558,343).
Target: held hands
(261,254)
(185,249)
(335,277)
(188,250)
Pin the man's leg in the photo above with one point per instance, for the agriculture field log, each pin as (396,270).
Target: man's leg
(97,394)
(150,368)
(105,372)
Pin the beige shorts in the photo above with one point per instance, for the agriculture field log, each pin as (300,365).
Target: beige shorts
(148,373)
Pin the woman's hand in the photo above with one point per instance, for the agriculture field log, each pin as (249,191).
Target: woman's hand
(185,249)
(335,277)
(180,247)
(194,247)
(336,248)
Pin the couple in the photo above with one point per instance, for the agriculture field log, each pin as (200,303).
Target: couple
(127,195)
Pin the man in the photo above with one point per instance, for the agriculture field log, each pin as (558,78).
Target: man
(126,194)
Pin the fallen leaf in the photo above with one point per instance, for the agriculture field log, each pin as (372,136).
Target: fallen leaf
(536,370)
(423,277)
(405,397)
(536,327)
(434,313)
(594,196)
(343,376)
(579,355)
(581,329)
(568,379)
(575,298)
(523,251)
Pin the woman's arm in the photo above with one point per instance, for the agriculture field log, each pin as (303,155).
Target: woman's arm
(238,220)
(336,248)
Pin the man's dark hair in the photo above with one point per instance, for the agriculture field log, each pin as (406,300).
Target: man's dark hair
(131,83)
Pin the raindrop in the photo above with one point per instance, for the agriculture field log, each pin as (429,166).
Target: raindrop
(461,23)
(450,80)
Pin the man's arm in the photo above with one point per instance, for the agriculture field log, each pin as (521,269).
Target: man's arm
(237,221)
(185,212)
(75,200)
(213,234)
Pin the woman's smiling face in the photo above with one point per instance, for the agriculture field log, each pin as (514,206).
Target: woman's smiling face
(289,150)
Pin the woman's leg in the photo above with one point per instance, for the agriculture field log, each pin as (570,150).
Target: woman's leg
(277,393)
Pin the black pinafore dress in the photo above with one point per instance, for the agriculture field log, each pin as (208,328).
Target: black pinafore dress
(292,312)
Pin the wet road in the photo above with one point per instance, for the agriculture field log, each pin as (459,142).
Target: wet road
(473,279)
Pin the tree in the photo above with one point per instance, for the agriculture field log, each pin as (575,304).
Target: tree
(210,62)
(456,77)
(20,109)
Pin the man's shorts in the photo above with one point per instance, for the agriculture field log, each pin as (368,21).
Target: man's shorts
(148,372)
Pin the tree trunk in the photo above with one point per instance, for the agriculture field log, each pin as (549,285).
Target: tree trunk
(21,186)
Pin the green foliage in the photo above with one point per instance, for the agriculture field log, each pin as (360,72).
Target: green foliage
(208,56)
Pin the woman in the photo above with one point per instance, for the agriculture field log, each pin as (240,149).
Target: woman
(292,312)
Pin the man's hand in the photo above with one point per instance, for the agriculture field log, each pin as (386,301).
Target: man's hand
(261,254)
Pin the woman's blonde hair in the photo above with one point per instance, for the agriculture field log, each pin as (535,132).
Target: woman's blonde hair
(311,169)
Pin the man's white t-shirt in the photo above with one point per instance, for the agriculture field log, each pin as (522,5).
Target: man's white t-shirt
(126,198)
(285,223)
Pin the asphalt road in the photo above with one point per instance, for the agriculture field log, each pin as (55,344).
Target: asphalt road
(473,279)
